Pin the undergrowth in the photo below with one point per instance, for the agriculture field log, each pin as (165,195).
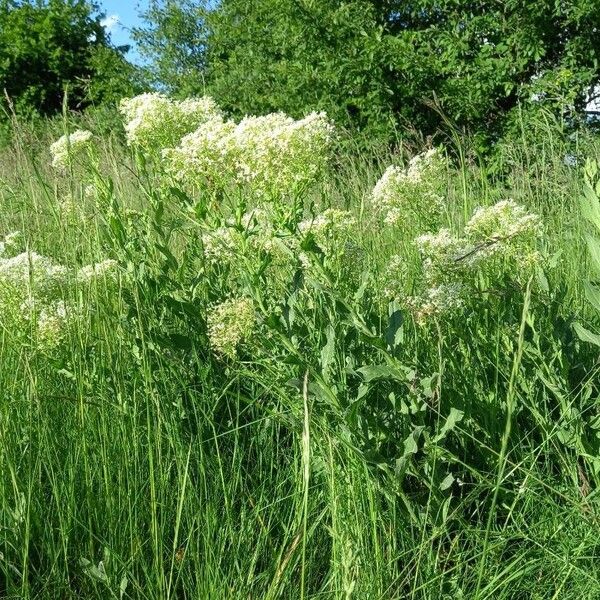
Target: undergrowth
(267,372)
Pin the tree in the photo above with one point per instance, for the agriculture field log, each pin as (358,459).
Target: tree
(174,41)
(374,63)
(47,47)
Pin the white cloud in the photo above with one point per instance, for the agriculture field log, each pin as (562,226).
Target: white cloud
(110,22)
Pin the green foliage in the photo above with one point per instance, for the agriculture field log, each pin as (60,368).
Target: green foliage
(112,77)
(47,48)
(239,409)
(174,40)
(590,204)
(377,64)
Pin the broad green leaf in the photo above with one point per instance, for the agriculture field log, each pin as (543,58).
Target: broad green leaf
(411,445)
(454,417)
(373,372)
(593,245)
(592,293)
(585,335)
(328,352)
(393,332)
(447,482)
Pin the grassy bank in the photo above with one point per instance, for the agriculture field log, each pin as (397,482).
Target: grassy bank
(289,403)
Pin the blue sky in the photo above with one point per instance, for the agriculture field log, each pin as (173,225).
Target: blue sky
(121,16)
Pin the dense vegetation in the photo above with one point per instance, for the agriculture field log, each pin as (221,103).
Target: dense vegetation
(251,355)
(49,48)
(379,65)
(253,366)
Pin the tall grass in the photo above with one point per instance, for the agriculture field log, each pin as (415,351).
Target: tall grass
(348,454)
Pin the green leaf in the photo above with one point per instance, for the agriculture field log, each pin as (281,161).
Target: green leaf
(454,417)
(95,572)
(447,482)
(411,445)
(592,293)
(328,352)
(393,333)
(585,335)
(593,245)
(395,372)
(123,586)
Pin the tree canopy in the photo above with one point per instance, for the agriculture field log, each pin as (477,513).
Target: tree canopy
(47,46)
(374,63)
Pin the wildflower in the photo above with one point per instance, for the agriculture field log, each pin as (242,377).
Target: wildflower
(505,220)
(439,246)
(51,324)
(70,147)
(420,165)
(34,272)
(436,301)
(204,155)
(67,206)
(410,197)
(304,260)
(106,269)
(221,245)
(31,290)
(440,253)
(276,247)
(497,246)
(256,218)
(396,275)
(332,230)
(90,192)
(328,222)
(275,152)
(10,244)
(272,155)
(155,121)
(230,323)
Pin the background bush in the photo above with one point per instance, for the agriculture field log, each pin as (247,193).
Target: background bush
(378,65)
(47,48)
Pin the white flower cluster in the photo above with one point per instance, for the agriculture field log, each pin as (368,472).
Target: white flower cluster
(253,236)
(10,244)
(29,286)
(333,231)
(31,290)
(32,273)
(68,148)
(155,121)
(221,245)
(410,196)
(273,155)
(337,235)
(498,243)
(497,225)
(323,226)
(437,300)
(52,324)
(104,270)
(440,253)
(229,324)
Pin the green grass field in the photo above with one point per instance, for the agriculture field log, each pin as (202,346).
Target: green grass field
(294,403)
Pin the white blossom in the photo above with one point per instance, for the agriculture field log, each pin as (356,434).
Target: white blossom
(70,147)
(10,243)
(155,121)
(272,155)
(229,324)
(51,324)
(410,197)
(106,269)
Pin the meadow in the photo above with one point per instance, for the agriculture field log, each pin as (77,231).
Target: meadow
(250,360)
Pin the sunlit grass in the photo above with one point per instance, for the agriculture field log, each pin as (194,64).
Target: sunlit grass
(347,451)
